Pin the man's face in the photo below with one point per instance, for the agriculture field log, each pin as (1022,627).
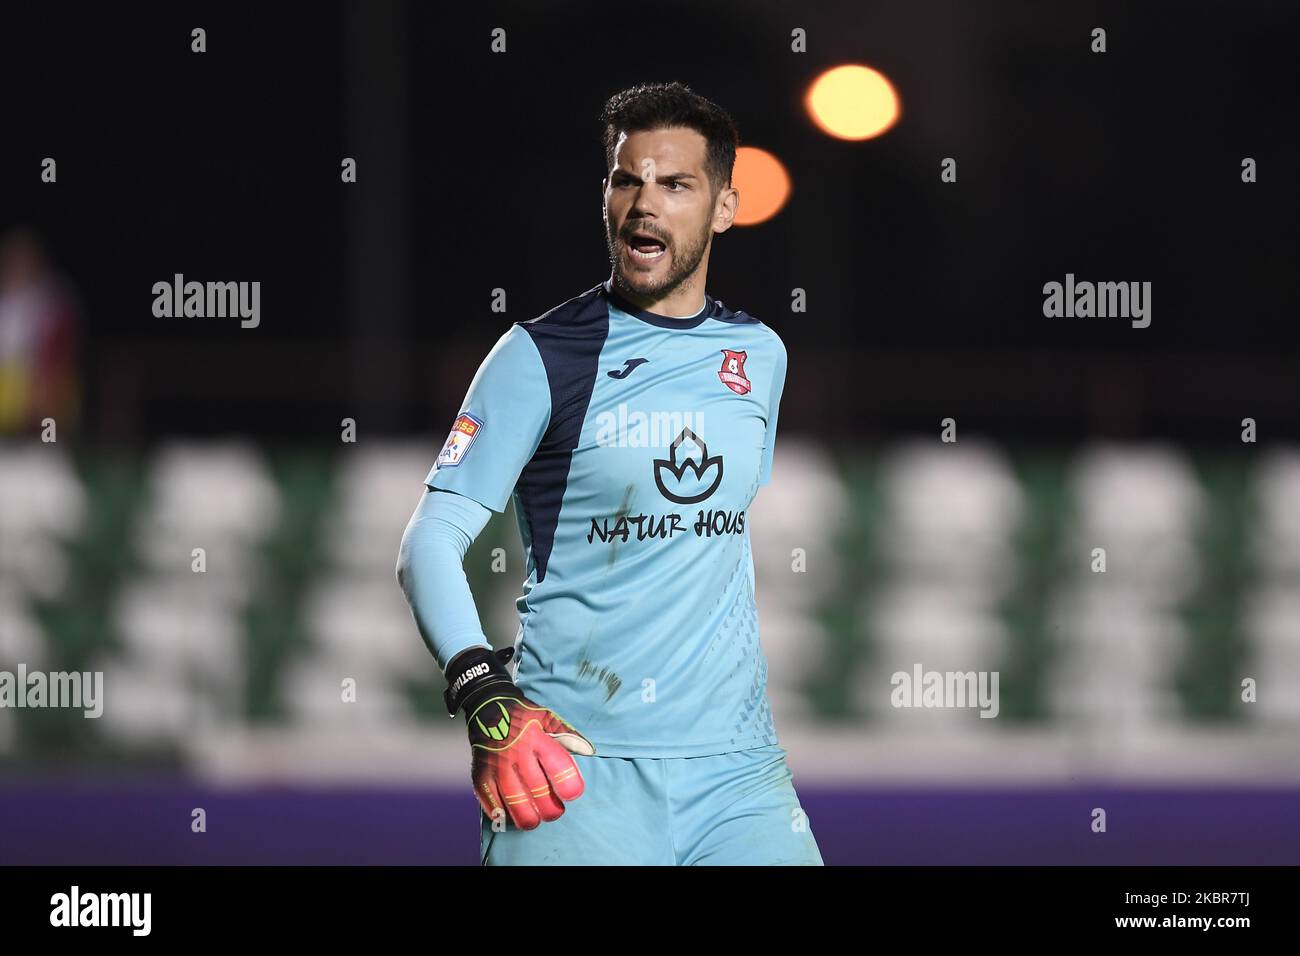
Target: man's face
(659,211)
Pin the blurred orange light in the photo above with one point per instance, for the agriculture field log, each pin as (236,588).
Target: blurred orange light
(763,183)
(853,102)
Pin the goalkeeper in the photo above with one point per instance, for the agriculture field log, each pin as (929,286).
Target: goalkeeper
(631,426)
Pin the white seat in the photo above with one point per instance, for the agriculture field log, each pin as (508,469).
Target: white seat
(1271,621)
(217,496)
(804,506)
(1115,659)
(44,504)
(365,621)
(378,487)
(1144,505)
(950,513)
(313,691)
(1275,533)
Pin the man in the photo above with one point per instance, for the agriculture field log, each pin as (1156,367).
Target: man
(632,425)
(38,339)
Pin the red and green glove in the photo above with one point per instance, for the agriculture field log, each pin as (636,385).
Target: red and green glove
(521,749)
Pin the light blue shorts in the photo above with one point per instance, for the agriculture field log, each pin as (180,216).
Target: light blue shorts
(733,809)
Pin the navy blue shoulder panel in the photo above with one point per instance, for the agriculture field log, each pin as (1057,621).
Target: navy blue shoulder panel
(724,314)
(569,338)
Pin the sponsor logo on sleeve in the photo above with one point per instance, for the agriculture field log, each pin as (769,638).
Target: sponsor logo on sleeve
(463,432)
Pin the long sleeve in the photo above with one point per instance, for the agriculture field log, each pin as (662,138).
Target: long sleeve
(431,573)
(502,420)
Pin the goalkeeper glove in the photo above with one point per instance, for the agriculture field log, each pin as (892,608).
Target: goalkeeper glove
(521,749)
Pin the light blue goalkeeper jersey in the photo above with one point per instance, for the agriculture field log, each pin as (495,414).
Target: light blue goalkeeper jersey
(633,445)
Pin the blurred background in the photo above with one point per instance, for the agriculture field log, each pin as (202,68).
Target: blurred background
(129,439)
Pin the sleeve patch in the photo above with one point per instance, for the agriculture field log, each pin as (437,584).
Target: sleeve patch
(463,432)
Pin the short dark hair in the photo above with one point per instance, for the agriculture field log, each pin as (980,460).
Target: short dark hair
(652,106)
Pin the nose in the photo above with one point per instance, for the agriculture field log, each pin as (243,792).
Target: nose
(645,202)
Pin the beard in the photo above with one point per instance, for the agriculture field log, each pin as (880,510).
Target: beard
(682,264)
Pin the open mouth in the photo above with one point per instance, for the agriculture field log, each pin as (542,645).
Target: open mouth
(644,247)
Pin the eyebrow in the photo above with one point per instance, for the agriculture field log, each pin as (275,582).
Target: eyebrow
(621,172)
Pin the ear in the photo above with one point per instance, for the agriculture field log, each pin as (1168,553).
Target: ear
(724,209)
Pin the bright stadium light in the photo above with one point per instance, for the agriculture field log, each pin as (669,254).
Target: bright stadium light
(853,102)
(763,183)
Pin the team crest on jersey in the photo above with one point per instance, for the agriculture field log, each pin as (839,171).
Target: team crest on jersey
(463,432)
(732,372)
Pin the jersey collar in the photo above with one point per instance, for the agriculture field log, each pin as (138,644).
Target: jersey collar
(654,318)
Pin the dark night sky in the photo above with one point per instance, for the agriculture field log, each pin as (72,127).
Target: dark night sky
(923,296)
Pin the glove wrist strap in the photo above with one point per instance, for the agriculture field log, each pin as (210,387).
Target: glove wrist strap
(473,672)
